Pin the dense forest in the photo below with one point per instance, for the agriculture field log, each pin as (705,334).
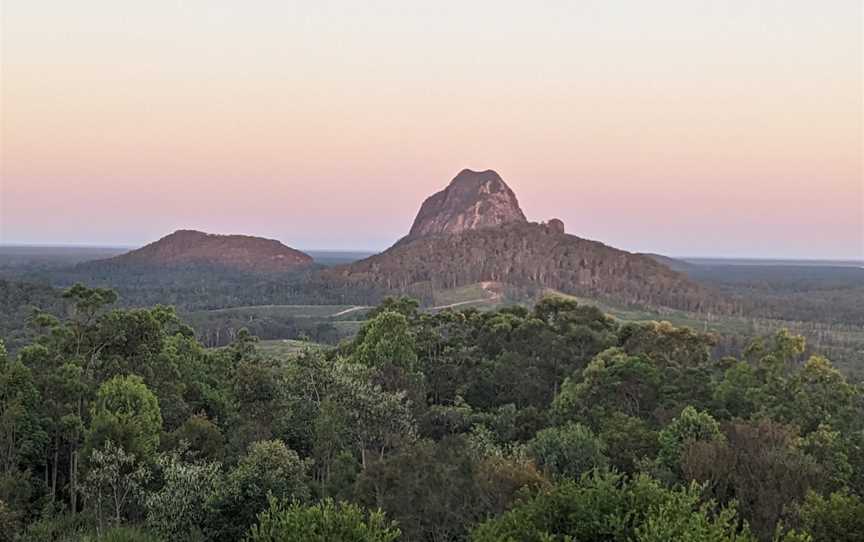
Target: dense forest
(815,293)
(554,423)
(528,255)
(188,287)
(18,301)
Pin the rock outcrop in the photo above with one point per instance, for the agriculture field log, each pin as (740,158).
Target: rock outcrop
(472,200)
(556,225)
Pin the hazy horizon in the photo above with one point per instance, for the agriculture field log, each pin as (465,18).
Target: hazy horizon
(685,128)
(370,251)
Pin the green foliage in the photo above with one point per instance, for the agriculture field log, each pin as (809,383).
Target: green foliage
(783,348)
(819,394)
(23,304)
(511,356)
(127,413)
(568,451)
(10,523)
(387,340)
(122,534)
(497,425)
(839,517)
(600,507)
(447,482)
(88,301)
(22,433)
(790,535)
(323,522)
(406,306)
(829,449)
(613,382)
(666,344)
(376,419)
(17,489)
(689,427)
(683,517)
(259,395)
(628,441)
(115,479)
(198,435)
(269,469)
(333,406)
(740,391)
(605,506)
(855,455)
(180,507)
(61,527)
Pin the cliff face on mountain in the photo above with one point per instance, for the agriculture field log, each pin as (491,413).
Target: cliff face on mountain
(474,231)
(471,201)
(238,252)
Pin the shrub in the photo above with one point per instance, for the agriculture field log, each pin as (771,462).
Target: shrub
(122,534)
(323,522)
(568,451)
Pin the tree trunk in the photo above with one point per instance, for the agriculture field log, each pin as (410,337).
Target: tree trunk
(116,506)
(73,481)
(56,467)
(73,460)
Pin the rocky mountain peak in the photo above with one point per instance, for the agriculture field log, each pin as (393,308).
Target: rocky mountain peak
(472,200)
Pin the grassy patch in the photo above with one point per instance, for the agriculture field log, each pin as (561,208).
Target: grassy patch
(286,347)
(295,311)
(461,295)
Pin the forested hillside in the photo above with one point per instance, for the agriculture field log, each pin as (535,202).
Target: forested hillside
(529,255)
(546,424)
(191,247)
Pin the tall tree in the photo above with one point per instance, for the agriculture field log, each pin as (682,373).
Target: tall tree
(127,413)
(387,339)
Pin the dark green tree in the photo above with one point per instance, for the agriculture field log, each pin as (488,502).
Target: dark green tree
(323,522)
(126,413)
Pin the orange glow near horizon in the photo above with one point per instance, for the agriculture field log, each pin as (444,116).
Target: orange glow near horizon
(689,128)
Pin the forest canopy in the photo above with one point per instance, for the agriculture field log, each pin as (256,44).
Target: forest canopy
(550,423)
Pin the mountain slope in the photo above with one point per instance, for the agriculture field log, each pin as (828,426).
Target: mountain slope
(238,252)
(672,263)
(474,231)
(529,254)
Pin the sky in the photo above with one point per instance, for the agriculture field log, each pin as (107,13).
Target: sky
(683,127)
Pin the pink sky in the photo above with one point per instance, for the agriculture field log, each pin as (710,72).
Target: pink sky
(680,127)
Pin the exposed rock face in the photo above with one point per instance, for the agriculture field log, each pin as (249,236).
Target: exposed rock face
(471,201)
(241,252)
(556,225)
(474,232)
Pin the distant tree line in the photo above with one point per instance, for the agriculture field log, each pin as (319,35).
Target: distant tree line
(814,293)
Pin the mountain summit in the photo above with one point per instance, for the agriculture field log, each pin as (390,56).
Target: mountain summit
(239,252)
(473,200)
(473,232)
